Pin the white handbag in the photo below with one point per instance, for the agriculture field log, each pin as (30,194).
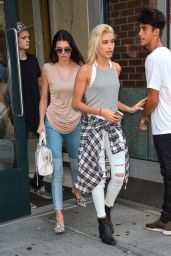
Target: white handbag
(43,157)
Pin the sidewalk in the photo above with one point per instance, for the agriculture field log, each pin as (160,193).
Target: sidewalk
(34,236)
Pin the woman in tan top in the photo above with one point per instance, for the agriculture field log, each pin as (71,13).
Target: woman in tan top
(58,119)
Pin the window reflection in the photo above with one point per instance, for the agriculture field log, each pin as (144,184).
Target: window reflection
(6,119)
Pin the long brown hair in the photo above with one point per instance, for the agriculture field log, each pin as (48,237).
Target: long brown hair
(63,35)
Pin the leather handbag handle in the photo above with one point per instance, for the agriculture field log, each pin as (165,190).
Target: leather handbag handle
(42,139)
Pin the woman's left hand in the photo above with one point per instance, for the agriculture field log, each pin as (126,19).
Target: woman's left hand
(137,106)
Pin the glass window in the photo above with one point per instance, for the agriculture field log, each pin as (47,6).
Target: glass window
(6,118)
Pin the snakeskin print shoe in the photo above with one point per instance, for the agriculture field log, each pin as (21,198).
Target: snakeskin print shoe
(59,228)
(80,200)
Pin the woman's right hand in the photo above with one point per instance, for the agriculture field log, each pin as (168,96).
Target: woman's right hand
(110,116)
(41,128)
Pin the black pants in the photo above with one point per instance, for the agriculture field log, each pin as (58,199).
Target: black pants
(34,182)
(163,146)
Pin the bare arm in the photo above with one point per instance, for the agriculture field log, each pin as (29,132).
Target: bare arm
(150,105)
(81,83)
(134,108)
(39,83)
(122,106)
(43,101)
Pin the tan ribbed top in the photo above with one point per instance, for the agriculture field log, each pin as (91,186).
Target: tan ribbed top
(60,114)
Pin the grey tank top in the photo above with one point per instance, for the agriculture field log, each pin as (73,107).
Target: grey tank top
(103,90)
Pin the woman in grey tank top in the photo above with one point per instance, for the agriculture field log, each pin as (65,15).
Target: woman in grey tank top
(101,132)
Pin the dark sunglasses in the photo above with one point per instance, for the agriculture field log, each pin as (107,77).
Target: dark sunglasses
(60,50)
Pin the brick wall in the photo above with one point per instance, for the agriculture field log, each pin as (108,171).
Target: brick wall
(121,15)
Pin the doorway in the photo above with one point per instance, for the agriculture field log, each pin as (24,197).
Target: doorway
(14,191)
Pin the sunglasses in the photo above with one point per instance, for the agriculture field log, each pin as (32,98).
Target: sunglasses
(60,50)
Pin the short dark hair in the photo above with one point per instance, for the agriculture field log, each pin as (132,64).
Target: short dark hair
(153,17)
(63,35)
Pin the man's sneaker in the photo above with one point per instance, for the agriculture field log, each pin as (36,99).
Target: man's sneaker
(33,206)
(43,192)
(157,226)
(167,229)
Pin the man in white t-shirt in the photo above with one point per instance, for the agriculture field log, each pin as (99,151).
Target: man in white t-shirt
(158,103)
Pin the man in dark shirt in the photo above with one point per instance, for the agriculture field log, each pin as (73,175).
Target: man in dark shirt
(30,77)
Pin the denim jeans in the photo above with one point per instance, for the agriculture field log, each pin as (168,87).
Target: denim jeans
(54,142)
(163,147)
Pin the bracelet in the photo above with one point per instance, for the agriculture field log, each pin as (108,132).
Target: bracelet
(100,112)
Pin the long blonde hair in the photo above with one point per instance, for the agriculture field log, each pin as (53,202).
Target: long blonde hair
(94,39)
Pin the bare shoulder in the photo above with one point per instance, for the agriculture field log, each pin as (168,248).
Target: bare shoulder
(85,70)
(117,67)
(47,66)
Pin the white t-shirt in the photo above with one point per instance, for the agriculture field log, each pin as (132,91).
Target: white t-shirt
(158,75)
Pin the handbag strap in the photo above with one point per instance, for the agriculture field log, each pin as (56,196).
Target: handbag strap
(42,139)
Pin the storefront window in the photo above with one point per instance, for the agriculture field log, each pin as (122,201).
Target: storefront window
(6,118)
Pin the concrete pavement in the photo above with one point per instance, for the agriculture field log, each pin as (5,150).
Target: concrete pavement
(34,236)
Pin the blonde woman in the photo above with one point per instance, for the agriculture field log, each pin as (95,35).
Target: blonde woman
(101,131)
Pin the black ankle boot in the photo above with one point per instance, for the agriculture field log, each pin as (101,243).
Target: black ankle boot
(105,233)
(109,220)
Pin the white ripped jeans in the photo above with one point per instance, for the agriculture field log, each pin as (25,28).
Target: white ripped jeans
(117,165)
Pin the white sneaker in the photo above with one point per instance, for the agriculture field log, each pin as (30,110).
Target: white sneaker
(33,206)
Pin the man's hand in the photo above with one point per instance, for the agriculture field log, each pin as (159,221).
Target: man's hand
(142,124)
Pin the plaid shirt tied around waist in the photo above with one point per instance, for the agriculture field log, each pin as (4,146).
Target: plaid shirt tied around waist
(89,170)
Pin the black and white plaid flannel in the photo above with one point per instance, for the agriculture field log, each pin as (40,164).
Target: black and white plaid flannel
(89,170)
